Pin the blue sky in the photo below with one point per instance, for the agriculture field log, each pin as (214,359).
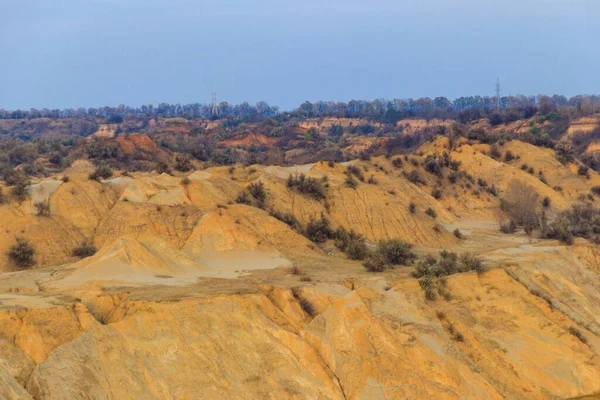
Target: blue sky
(73,53)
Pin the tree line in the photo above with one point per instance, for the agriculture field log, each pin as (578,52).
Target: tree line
(381,110)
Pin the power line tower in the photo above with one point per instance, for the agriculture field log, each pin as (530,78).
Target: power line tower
(215,108)
(497,93)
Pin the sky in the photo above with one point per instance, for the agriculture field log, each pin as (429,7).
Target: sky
(74,53)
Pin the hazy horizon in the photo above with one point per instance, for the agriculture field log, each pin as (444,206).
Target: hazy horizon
(72,54)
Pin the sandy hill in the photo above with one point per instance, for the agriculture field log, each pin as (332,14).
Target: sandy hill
(207,285)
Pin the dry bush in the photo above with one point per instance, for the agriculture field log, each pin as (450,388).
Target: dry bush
(521,204)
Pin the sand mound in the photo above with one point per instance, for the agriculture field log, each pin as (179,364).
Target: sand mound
(161,190)
(132,261)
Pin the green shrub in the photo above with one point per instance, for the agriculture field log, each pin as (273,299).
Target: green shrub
(412,207)
(350,181)
(376,262)
(287,218)
(86,249)
(259,192)
(396,252)
(397,162)
(431,212)
(243,198)
(414,177)
(22,253)
(307,185)
(319,230)
(101,172)
(42,208)
(351,243)
(448,264)
(354,170)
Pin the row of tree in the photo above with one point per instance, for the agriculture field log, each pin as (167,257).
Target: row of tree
(379,109)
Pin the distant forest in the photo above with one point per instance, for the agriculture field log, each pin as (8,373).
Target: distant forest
(463,109)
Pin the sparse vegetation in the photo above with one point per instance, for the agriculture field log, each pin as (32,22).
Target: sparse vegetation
(412,207)
(22,253)
(306,305)
(521,205)
(431,212)
(87,249)
(307,185)
(42,208)
(101,172)
(351,243)
(259,192)
(319,230)
(388,254)
(577,333)
(414,177)
(431,272)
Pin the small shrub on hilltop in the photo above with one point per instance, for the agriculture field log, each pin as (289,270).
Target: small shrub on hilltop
(243,198)
(414,177)
(22,253)
(432,165)
(458,233)
(86,249)
(508,156)
(564,153)
(436,193)
(397,162)
(307,185)
(495,152)
(351,182)
(259,192)
(431,212)
(101,172)
(583,170)
(354,170)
